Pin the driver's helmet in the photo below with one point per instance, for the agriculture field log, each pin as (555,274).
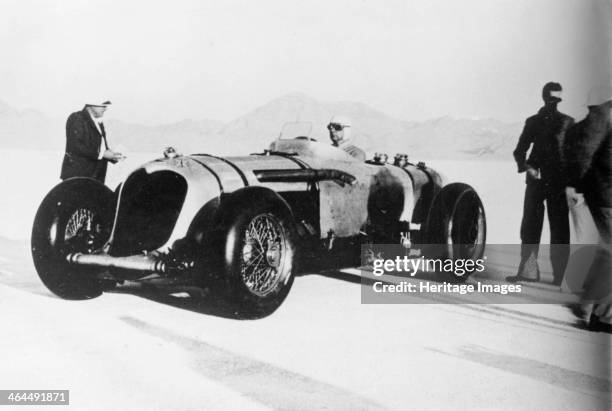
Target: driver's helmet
(340,122)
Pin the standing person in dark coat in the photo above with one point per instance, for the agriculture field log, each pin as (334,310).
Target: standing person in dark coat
(545,172)
(589,157)
(87,151)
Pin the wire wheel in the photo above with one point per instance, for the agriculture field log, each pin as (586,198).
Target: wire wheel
(79,221)
(264,254)
(83,232)
(76,216)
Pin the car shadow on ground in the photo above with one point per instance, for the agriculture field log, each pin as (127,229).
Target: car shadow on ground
(209,301)
(193,299)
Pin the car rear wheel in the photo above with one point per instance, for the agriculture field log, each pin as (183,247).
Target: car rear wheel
(76,216)
(456,227)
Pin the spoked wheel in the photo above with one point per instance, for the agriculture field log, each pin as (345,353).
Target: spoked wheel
(258,256)
(456,226)
(83,231)
(265,255)
(76,216)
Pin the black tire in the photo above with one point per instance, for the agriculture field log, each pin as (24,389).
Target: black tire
(456,227)
(258,253)
(76,216)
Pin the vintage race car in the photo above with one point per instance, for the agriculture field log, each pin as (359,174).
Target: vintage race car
(246,225)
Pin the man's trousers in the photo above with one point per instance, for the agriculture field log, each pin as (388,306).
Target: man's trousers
(538,192)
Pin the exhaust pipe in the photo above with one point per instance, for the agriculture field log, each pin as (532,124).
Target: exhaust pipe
(144,263)
(304,175)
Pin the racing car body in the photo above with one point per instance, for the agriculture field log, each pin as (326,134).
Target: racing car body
(243,222)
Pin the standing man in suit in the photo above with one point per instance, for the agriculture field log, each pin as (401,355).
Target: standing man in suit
(546,174)
(87,150)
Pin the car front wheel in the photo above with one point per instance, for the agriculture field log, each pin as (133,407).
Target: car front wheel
(75,217)
(259,257)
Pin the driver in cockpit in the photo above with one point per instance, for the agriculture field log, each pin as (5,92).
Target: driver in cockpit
(340,134)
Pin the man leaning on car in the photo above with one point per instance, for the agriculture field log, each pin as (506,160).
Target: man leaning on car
(87,150)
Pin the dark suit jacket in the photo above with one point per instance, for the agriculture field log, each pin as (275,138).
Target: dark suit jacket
(545,134)
(589,154)
(83,148)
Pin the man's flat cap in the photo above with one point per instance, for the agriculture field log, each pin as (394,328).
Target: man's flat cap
(104,103)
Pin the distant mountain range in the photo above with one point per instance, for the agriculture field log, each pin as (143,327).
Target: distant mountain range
(444,137)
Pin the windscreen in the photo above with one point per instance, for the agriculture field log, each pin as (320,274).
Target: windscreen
(296,129)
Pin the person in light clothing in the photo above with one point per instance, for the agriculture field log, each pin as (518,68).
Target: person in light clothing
(340,134)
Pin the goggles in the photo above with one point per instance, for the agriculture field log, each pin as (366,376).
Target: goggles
(335,126)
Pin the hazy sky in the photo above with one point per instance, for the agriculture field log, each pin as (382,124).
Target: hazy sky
(165,61)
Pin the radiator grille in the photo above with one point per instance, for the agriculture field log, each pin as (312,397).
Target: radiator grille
(149,207)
